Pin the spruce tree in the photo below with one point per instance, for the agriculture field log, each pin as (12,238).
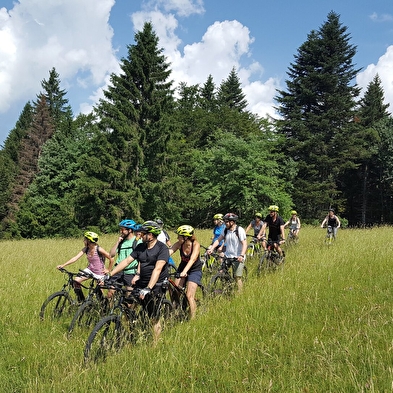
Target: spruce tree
(317,112)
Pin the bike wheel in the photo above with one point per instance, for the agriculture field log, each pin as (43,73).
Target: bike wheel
(220,285)
(108,336)
(56,306)
(87,316)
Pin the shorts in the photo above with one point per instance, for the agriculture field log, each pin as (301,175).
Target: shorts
(237,268)
(123,278)
(95,275)
(195,276)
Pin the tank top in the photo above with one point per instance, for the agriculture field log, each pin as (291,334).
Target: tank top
(96,265)
(185,258)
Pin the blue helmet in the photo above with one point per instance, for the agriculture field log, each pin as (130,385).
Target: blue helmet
(129,224)
(137,227)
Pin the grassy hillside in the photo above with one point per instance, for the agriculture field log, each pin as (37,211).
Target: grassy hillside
(323,323)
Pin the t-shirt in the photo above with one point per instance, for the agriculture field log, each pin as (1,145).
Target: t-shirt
(233,242)
(126,248)
(147,259)
(217,231)
(274,227)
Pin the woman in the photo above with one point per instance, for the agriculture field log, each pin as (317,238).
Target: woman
(294,224)
(190,267)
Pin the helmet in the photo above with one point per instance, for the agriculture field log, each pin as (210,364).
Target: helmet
(151,227)
(331,210)
(273,208)
(129,224)
(136,227)
(258,215)
(159,221)
(185,230)
(230,217)
(218,217)
(293,212)
(92,236)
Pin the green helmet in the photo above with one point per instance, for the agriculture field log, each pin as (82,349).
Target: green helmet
(259,215)
(218,216)
(273,208)
(293,212)
(92,236)
(151,227)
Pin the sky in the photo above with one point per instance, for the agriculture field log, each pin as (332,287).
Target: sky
(85,41)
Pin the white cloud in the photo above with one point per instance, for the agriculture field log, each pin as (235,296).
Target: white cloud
(70,35)
(381,18)
(384,68)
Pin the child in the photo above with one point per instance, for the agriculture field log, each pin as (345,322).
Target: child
(96,257)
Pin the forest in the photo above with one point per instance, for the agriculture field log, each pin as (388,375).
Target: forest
(186,152)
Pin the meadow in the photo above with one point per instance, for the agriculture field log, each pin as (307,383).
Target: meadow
(322,323)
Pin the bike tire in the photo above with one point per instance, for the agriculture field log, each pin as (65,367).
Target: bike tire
(262,264)
(87,316)
(221,285)
(56,306)
(250,250)
(108,336)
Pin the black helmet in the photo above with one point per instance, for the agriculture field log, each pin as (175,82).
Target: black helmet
(231,217)
(151,227)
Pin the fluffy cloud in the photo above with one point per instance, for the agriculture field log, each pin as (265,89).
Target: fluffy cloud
(36,35)
(384,68)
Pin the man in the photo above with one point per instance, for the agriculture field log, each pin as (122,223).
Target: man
(152,256)
(276,230)
(124,246)
(234,237)
(332,221)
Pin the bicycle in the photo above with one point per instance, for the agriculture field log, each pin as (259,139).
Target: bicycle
(63,302)
(223,282)
(127,322)
(292,238)
(255,247)
(179,300)
(271,259)
(329,238)
(94,307)
(210,262)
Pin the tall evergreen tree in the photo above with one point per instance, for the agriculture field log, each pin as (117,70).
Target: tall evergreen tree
(230,93)
(363,183)
(135,132)
(317,113)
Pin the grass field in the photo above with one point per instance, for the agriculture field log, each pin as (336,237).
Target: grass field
(322,323)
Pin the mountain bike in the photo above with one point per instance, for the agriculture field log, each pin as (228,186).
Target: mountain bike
(95,306)
(128,322)
(255,246)
(271,259)
(62,303)
(179,300)
(223,282)
(292,238)
(329,238)
(210,262)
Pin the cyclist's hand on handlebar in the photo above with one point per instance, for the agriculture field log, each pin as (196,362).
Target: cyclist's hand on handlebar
(59,267)
(144,292)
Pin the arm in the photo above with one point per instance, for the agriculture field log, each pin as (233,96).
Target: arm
(249,227)
(156,273)
(286,224)
(72,260)
(194,257)
(174,248)
(244,249)
(215,244)
(113,250)
(323,222)
(298,223)
(122,265)
(262,231)
(338,222)
(282,233)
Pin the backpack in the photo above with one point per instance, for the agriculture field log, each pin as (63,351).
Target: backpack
(236,232)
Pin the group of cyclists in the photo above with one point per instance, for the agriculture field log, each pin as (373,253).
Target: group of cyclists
(139,258)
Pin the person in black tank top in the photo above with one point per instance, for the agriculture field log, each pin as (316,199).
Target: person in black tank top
(190,267)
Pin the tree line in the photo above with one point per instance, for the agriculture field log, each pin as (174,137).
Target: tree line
(184,153)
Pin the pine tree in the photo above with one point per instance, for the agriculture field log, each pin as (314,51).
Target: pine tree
(230,93)
(135,130)
(317,112)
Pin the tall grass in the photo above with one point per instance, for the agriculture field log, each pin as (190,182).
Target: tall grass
(322,323)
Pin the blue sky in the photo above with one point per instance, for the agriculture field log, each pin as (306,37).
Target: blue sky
(85,39)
